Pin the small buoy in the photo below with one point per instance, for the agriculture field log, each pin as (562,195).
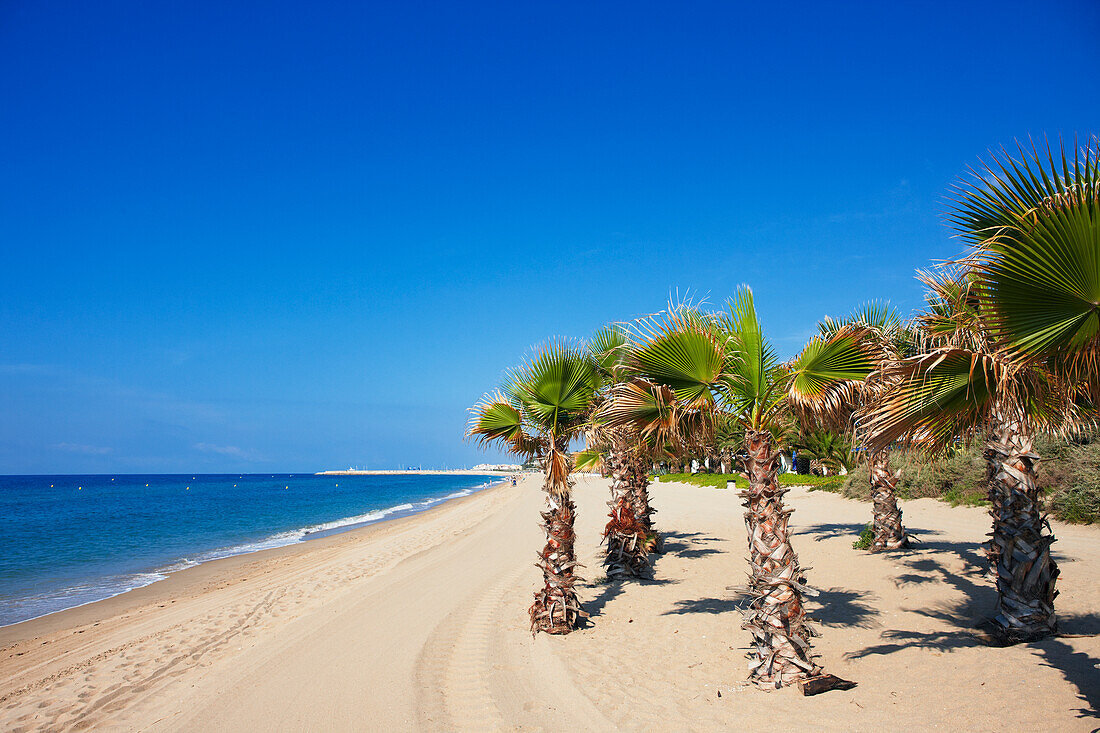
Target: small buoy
(188,488)
(79,488)
(51,486)
(286,487)
(146,484)
(234,486)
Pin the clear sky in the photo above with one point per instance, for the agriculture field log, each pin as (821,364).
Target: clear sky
(296,236)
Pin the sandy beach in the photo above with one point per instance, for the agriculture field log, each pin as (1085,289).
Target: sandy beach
(420,623)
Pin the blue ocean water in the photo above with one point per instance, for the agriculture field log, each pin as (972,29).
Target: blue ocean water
(70,540)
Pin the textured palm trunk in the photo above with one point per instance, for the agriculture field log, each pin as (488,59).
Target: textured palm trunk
(776,617)
(627,553)
(1020,546)
(995,495)
(642,509)
(889,534)
(556,609)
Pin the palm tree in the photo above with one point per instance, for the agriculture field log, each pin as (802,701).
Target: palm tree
(541,407)
(877,333)
(831,449)
(1026,359)
(625,457)
(688,369)
(729,436)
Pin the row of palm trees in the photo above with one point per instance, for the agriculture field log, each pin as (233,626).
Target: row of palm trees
(1007,346)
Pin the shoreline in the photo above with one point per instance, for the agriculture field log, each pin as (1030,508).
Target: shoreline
(421,623)
(421,472)
(168,574)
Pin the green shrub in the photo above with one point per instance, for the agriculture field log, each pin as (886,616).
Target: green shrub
(820,482)
(1079,504)
(1069,476)
(832,484)
(958,478)
(866,537)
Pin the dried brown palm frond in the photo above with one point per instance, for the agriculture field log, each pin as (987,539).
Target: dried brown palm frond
(931,400)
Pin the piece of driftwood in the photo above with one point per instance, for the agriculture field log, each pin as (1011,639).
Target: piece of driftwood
(823,683)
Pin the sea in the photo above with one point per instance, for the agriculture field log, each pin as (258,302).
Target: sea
(70,540)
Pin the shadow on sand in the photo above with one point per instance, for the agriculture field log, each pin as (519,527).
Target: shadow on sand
(832,607)
(833,530)
(682,544)
(612,589)
(964,619)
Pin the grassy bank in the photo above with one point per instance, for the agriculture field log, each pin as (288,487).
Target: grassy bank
(719,480)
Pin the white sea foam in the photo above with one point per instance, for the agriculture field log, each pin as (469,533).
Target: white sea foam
(75,596)
(294,536)
(84,593)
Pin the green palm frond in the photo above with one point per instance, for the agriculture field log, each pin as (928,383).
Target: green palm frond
(729,432)
(588,460)
(874,315)
(542,405)
(494,419)
(682,353)
(756,380)
(609,349)
(882,323)
(827,378)
(555,389)
(952,316)
(833,449)
(1035,224)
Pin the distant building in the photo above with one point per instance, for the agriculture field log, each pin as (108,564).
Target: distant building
(497,467)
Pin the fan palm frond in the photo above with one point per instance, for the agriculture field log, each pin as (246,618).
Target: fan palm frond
(681,353)
(1035,225)
(494,419)
(935,399)
(555,389)
(827,378)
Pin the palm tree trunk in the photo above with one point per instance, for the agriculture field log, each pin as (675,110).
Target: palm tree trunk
(627,554)
(556,609)
(776,617)
(642,509)
(995,495)
(1025,571)
(889,534)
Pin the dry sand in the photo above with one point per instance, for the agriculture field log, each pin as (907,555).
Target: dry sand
(420,623)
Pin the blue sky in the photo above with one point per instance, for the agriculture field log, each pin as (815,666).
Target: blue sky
(274,236)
